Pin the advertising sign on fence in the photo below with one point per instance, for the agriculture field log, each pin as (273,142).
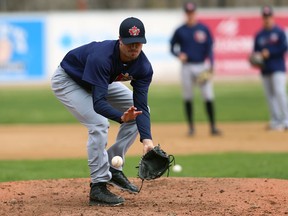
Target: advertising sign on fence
(21,50)
(32,48)
(234,40)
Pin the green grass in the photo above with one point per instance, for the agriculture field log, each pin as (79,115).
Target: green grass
(12,170)
(244,165)
(234,102)
(32,105)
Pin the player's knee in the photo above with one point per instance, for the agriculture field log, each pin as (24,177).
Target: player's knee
(187,97)
(208,96)
(100,126)
(280,92)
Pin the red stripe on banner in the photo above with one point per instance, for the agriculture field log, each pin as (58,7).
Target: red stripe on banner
(234,38)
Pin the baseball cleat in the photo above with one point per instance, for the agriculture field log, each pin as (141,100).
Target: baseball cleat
(191,132)
(120,181)
(278,127)
(215,132)
(101,196)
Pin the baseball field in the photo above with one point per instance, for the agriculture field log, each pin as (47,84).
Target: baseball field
(43,167)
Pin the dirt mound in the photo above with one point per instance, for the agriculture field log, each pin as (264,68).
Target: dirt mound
(164,196)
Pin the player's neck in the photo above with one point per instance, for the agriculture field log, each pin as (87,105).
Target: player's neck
(269,26)
(191,22)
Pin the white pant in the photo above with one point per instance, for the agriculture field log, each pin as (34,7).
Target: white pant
(275,91)
(79,102)
(188,76)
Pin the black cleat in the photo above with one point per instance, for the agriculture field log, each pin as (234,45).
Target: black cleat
(120,180)
(101,196)
(191,132)
(215,132)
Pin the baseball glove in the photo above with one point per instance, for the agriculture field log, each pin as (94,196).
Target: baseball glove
(154,164)
(204,76)
(256,59)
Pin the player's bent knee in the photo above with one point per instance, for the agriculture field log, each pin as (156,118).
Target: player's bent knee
(99,126)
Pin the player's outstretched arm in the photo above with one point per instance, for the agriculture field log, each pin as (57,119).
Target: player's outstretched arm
(147,145)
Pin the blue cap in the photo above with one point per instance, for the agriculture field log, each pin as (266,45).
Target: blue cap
(132,31)
(190,7)
(267,11)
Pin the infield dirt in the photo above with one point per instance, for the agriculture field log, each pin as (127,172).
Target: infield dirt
(164,196)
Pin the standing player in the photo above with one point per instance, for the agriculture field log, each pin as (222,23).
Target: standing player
(192,44)
(87,83)
(271,43)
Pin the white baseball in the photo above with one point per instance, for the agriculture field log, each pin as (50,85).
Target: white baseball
(177,168)
(117,161)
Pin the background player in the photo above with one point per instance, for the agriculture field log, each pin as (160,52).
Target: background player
(192,43)
(271,42)
(86,82)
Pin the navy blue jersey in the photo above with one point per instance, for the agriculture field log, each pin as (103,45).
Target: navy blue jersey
(195,41)
(275,41)
(96,65)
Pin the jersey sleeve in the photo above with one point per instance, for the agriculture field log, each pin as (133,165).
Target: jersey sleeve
(257,47)
(102,107)
(140,98)
(174,42)
(280,48)
(210,42)
(142,83)
(97,73)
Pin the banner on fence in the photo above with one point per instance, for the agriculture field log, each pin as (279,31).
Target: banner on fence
(21,49)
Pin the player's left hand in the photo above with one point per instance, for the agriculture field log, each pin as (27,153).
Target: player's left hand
(256,59)
(147,145)
(154,164)
(204,76)
(130,114)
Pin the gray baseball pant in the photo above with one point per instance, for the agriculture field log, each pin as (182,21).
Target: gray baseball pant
(275,91)
(79,102)
(189,73)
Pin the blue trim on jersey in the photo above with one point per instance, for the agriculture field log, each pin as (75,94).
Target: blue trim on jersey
(96,65)
(275,41)
(196,41)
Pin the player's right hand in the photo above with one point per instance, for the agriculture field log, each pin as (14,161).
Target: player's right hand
(130,114)
(183,57)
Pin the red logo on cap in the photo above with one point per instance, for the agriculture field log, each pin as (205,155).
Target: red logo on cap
(190,6)
(266,10)
(134,31)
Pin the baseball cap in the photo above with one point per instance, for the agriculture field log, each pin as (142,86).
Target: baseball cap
(267,11)
(132,30)
(190,7)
